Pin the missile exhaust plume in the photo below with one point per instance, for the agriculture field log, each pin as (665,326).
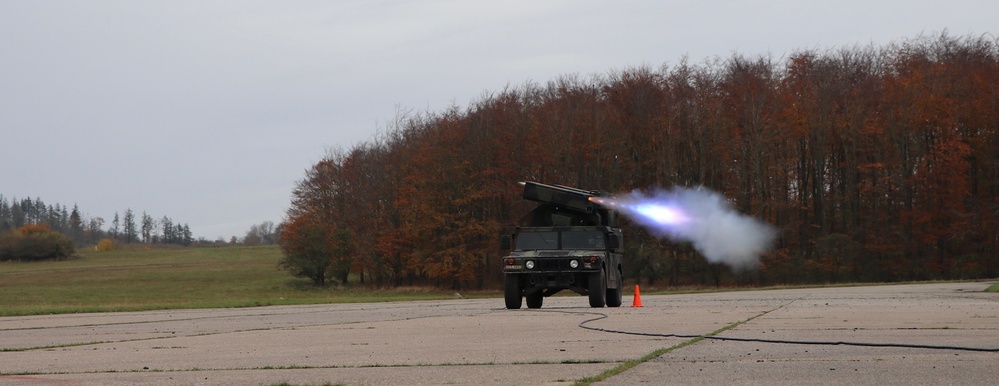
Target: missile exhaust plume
(699,216)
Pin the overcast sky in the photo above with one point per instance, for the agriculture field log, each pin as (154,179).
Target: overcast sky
(209,111)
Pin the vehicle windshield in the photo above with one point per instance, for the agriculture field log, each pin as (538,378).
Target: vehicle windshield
(583,240)
(537,240)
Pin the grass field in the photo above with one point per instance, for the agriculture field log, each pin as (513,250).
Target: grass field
(133,280)
(173,278)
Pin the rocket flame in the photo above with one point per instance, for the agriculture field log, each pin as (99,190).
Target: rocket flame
(656,212)
(701,217)
(661,214)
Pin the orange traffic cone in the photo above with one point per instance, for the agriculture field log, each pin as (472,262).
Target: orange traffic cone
(638,298)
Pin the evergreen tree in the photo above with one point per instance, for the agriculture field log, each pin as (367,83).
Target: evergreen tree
(147,228)
(187,237)
(38,210)
(27,209)
(51,216)
(76,225)
(64,220)
(131,233)
(6,222)
(115,226)
(169,232)
(16,213)
(17,216)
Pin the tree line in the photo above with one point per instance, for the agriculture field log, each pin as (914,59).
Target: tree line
(82,230)
(876,164)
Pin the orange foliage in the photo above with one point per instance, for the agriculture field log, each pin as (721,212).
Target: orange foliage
(889,155)
(33,229)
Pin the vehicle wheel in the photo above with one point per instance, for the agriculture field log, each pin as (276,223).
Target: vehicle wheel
(535,299)
(613,297)
(614,294)
(597,289)
(511,292)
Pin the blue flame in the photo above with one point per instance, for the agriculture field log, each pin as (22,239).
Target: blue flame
(699,216)
(653,211)
(659,213)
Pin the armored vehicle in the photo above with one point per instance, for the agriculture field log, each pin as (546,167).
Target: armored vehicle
(567,242)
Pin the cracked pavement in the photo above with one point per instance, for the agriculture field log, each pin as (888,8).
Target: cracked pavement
(893,334)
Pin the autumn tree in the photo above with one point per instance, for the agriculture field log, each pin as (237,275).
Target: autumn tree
(303,242)
(876,163)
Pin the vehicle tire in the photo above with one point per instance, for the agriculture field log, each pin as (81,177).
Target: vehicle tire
(511,292)
(613,297)
(597,288)
(535,299)
(614,294)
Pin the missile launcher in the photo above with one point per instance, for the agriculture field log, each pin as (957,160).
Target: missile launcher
(569,241)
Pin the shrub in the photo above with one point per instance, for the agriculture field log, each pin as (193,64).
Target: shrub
(105,245)
(34,243)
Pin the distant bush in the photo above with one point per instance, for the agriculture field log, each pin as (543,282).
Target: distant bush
(34,243)
(106,245)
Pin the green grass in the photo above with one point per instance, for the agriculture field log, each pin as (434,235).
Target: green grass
(174,278)
(993,288)
(134,280)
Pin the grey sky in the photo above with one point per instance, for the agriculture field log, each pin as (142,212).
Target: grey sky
(209,111)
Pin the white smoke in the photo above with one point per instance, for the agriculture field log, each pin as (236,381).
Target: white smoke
(702,217)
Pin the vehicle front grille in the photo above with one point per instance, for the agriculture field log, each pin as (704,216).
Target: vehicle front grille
(553,264)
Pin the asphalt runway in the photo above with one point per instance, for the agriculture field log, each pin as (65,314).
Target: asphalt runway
(923,334)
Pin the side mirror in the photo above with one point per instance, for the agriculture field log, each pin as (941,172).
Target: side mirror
(505,242)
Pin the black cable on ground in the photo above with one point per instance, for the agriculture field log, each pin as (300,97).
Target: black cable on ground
(600,316)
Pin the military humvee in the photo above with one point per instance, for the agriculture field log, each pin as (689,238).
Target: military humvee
(567,242)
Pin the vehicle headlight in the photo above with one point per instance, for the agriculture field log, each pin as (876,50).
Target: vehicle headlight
(529,264)
(573,264)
